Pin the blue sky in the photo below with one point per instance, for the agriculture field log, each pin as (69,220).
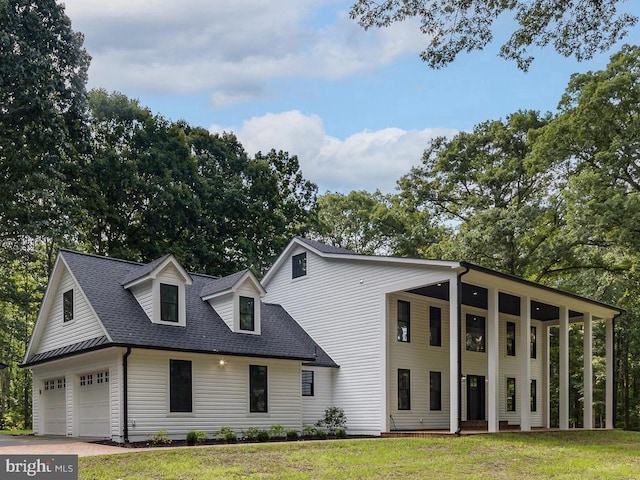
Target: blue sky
(357,108)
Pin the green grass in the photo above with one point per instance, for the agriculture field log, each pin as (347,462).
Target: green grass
(558,455)
(16,432)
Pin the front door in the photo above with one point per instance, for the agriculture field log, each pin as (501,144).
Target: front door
(475,397)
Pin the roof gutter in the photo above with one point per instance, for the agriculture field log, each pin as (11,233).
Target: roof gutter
(459,286)
(125,394)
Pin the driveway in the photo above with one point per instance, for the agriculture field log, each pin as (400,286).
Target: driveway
(32,445)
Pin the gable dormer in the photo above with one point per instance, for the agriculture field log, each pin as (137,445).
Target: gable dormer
(159,288)
(236,298)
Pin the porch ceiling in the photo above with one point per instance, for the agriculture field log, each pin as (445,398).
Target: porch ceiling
(475,296)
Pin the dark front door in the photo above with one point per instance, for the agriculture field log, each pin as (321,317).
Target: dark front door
(475,397)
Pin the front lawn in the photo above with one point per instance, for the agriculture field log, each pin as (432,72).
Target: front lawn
(562,455)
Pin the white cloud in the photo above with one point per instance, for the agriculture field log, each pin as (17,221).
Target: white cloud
(230,50)
(367,160)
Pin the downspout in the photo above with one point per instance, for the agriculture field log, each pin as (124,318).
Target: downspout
(459,285)
(125,394)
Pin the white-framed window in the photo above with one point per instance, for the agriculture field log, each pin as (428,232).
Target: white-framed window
(67,306)
(299,265)
(307,383)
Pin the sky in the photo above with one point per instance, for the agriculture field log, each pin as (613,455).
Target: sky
(357,107)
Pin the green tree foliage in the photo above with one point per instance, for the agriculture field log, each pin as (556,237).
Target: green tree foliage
(574,28)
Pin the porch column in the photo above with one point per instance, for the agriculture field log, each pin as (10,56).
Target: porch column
(454,348)
(563,367)
(493,359)
(588,371)
(546,332)
(610,408)
(525,364)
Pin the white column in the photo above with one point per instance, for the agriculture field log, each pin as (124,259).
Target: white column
(563,367)
(588,371)
(493,359)
(454,347)
(610,407)
(525,364)
(546,332)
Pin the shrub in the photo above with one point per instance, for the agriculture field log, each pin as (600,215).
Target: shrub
(227,434)
(319,434)
(341,433)
(292,435)
(195,436)
(334,419)
(161,437)
(277,431)
(308,430)
(257,434)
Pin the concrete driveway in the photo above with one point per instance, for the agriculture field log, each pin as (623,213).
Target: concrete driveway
(30,444)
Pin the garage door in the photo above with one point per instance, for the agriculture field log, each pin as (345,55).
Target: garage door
(54,407)
(93,405)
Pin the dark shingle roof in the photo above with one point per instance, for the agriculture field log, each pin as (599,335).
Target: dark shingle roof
(324,248)
(143,270)
(127,324)
(222,284)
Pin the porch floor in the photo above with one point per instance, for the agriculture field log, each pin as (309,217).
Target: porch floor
(472,431)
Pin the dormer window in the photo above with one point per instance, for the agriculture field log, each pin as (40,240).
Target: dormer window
(247,314)
(299,265)
(168,303)
(67,306)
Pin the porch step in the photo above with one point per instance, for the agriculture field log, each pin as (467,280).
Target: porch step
(484,425)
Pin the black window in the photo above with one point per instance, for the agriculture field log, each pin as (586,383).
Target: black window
(435,388)
(511,394)
(67,306)
(404,321)
(511,339)
(299,265)
(247,313)
(307,383)
(533,342)
(168,303)
(258,388)
(180,387)
(534,396)
(404,389)
(475,333)
(435,327)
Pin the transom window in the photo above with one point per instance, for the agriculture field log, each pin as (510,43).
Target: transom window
(404,321)
(168,303)
(404,389)
(67,306)
(475,333)
(180,386)
(258,401)
(435,326)
(511,394)
(299,265)
(307,383)
(511,339)
(247,313)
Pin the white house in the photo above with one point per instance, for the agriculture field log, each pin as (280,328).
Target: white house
(122,350)
(428,344)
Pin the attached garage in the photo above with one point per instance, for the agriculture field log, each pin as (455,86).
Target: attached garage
(54,411)
(93,405)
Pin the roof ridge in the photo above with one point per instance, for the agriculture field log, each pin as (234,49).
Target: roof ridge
(103,257)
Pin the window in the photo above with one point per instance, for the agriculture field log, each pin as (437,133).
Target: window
(257,388)
(307,383)
(511,394)
(475,333)
(180,387)
(299,265)
(435,327)
(534,396)
(404,318)
(511,339)
(247,314)
(67,306)
(404,389)
(168,303)
(533,343)
(435,388)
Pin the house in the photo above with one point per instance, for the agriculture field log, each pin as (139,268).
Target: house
(121,350)
(428,344)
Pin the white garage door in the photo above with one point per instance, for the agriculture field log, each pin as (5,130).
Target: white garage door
(54,409)
(93,405)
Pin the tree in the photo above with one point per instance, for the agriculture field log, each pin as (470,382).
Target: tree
(573,28)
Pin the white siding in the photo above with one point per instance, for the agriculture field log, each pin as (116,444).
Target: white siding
(420,358)
(223,306)
(313,407)
(143,293)
(341,304)
(84,326)
(220,394)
